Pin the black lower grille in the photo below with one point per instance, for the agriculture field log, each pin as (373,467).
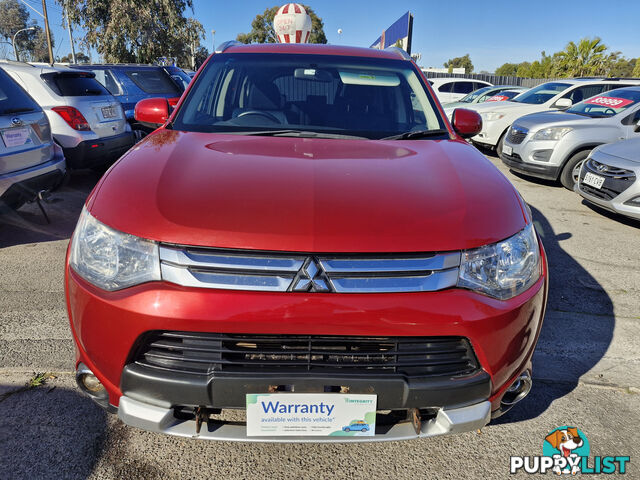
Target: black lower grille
(211,353)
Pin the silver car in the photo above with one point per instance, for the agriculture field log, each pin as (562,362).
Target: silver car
(30,162)
(553,145)
(86,120)
(610,177)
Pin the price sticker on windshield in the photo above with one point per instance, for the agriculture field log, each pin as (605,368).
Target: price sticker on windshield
(497,98)
(612,102)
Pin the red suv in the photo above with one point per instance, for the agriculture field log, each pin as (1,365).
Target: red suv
(305,238)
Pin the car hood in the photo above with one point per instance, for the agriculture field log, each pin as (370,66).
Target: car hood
(536,121)
(308,195)
(627,150)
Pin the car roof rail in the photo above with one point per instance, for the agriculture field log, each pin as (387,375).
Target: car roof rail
(224,45)
(399,51)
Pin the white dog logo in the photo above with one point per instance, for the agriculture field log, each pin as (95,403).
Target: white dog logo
(565,440)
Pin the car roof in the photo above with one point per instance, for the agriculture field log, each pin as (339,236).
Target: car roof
(313,49)
(117,65)
(33,68)
(457,79)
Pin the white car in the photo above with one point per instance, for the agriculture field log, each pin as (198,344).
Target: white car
(452,89)
(610,178)
(497,117)
(86,120)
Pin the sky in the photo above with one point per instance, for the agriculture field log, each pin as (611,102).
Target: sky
(492,32)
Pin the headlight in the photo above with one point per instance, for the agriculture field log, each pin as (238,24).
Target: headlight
(553,133)
(110,259)
(492,116)
(504,269)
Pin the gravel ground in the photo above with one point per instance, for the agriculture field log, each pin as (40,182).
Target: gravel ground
(586,368)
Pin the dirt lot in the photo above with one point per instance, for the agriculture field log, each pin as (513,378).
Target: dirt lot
(586,368)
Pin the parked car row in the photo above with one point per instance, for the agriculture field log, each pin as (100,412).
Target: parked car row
(30,161)
(77,116)
(554,131)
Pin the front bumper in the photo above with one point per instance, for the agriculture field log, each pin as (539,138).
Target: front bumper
(515,162)
(491,132)
(616,204)
(162,420)
(107,327)
(91,153)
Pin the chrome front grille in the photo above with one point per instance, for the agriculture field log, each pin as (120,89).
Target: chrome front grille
(617,180)
(517,135)
(608,170)
(294,272)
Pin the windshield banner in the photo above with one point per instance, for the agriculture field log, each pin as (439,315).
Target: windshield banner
(612,102)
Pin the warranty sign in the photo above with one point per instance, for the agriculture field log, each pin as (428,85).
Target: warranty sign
(310,414)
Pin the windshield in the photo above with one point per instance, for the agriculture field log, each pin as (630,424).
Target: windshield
(475,94)
(180,77)
(74,84)
(614,102)
(349,96)
(542,93)
(153,80)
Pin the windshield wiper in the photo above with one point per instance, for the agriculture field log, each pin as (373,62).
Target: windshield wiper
(296,133)
(417,134)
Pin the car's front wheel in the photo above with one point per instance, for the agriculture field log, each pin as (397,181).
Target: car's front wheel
(571,170)
(500,145)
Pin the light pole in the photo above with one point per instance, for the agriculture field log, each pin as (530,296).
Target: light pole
(213,40)
(15,49)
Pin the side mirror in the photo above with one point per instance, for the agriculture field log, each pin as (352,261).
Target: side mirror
(466,123)
(152,112)
(563,104)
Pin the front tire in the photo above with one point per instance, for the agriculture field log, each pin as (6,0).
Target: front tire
(571,170)
(500,145)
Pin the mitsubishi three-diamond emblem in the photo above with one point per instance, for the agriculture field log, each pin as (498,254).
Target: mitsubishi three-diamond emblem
(311,278)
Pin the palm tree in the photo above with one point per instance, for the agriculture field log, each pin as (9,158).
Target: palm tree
(587,58)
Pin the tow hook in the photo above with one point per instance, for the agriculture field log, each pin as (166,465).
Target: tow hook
(416,419)
(202,416)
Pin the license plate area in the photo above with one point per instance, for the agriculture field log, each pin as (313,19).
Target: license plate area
(310,415)
(109,112)
(507,149)
(15,137)
(595,181)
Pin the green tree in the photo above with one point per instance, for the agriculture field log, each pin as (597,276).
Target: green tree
(588,57)
(636,70)
(524,70)
(80,58)
(460,62)
(623,67)
(132,30)
(507,69)
(262,28)
(36,47)
(190,36)
(31,44)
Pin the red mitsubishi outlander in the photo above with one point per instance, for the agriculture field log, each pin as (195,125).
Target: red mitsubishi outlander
(305,250)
